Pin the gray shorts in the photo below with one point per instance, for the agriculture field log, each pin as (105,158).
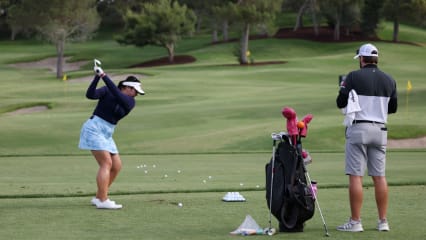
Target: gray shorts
(366,148)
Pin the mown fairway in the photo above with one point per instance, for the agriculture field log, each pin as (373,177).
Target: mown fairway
(208,106)
(209,120)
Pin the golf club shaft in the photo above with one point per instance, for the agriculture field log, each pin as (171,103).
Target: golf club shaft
(272,184)
(317,203)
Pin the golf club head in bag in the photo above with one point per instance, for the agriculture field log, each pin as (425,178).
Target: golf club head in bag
(291,117)
(306,120)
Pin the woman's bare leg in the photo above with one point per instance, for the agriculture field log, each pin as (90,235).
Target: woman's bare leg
(104,173)
(116,167)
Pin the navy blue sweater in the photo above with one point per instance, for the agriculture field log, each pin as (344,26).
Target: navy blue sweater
(112,105)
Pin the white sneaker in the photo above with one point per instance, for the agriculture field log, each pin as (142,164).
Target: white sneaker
(108,204)
(351,226)
(383,225)
(96,200)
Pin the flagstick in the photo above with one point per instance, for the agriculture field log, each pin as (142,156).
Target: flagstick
(406,103)
(65,81)
(409,87)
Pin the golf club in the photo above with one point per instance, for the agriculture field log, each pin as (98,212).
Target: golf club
(275,137)
(306,120)
(317,203)
(291,117)
(302,127)
(97,62)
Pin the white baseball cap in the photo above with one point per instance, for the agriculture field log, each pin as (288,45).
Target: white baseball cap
(136,86)
(367,50)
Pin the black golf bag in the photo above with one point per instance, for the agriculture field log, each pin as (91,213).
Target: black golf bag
(292,202)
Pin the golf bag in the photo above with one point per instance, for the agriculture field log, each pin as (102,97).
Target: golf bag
(292,202)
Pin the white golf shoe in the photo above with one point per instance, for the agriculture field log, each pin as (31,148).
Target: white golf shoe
(351,226)
(108,204)
(96,200)
(383,225)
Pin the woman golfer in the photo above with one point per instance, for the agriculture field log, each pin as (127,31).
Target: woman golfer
(114,103)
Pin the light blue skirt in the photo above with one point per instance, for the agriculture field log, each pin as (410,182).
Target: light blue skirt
(96,134)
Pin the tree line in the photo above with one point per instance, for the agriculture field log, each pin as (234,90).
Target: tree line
(164,22)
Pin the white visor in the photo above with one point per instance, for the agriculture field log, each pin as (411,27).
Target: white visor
(136,86)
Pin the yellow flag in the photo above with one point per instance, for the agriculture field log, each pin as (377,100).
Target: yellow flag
(409,87)
(64,78)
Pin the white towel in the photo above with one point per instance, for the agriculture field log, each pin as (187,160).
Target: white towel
(350,109)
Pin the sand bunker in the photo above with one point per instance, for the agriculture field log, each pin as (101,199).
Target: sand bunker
(50,63)
(28,110)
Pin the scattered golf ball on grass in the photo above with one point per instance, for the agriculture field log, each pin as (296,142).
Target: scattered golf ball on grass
(180,204)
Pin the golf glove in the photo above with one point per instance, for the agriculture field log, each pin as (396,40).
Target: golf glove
(99,71)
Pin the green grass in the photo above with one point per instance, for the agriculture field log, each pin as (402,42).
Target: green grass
(73,176)
(203,216)
(206,106)
(48,197)
(205,119)
(406,33)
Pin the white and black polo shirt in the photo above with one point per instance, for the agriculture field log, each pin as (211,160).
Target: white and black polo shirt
(376,91)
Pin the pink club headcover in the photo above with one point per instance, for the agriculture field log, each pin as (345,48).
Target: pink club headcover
(291,117)
(306,119)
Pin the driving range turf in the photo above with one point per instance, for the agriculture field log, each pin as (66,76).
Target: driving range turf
(49,197)
(209,120)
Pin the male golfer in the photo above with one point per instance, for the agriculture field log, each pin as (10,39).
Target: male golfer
(366,137)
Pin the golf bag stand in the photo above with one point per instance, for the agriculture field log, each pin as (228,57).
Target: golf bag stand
(289,196)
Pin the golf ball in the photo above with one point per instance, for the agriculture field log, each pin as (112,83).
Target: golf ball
(178,171)
(180,204)
(271,231)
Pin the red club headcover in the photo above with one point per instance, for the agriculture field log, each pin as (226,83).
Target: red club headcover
(291,117)
(306,119)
